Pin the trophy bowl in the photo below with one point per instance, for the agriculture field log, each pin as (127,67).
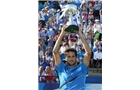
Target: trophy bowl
(70,10)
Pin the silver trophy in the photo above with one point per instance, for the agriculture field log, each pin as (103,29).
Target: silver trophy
(70,11)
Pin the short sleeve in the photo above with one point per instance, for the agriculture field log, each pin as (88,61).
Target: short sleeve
(60,67)
(85,69)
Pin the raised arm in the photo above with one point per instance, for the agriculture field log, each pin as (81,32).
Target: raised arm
(87,49)
(57,46)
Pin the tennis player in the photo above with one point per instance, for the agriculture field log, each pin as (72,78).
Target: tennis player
(72,75)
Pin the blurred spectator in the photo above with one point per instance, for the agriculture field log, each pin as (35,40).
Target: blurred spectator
(53,66)
(75,46)
(90,26)
(56,5)
(100,15)
(50,75)
(45,34)
(46,4)
(48,57)
(51,41)
(62,51)
(50,50)
(40,26)
(47,26)
(89,36)
(60,26)
(84,17)
(83,27)
(41,50)
(54,26)
(50,14)
(80,54)
(43,62)
(83,7)
(71,39)
(90,16)
(57,34)
(63,48)
(65,40)
(96,8)
(51,32)
(79,42)
(97,58)
(41,73)
(41,17)
(97,35)
(97,45)
(97,26)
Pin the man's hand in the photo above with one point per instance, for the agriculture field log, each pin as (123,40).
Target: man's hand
(63,29)
(86,47)
(56,53)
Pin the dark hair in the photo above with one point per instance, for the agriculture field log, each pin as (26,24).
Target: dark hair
(71,50)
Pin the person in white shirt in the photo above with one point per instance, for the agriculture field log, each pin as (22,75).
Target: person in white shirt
(83,26)
(83,7)
(45,34)
(48,57)
(97,58)
(75,46)
(41,17)
(41,73)
(97,26)
(63,48)
(53,66)
(97,45)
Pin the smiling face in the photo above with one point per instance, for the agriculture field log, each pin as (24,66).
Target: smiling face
(71,57)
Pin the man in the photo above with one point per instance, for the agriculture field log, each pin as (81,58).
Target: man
(51,32)
(48,57)
(72,75)
(41,17)
(96,8)
(97,58)
(51,41)
(97,26)
(41,73)
(63,48)
(43,62)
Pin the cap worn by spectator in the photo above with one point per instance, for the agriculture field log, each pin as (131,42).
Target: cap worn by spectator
(96,20)
(84,21)
(46,7)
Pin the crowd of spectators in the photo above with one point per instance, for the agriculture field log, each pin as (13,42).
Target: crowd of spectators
(49,29)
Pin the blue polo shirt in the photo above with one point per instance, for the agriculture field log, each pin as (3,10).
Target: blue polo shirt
(67,73)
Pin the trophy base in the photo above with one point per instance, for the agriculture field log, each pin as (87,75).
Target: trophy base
(72,28)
